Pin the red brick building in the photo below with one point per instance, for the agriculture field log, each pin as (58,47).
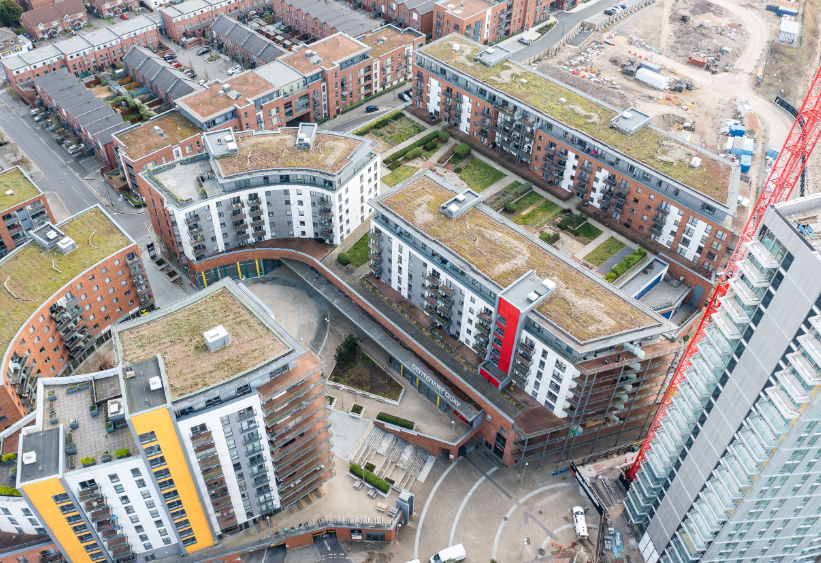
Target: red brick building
(23,207)
(486,22)
(53,19)
(89,275)
(109,8)
(415,14)
(193,18)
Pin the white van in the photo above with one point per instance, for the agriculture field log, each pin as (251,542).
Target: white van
(453,553)
(579,522)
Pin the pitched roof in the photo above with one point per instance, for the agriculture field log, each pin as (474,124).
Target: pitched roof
(265,50)
(164,76)
(53,12)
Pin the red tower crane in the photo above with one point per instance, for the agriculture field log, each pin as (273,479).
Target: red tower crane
(786,171)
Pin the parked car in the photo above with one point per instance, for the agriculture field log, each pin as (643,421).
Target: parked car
(371,109)
(579,522)
(449,554)
(204,50)
(525,41)
(190,74)
(610,12)
(409,92)
(176,64)
(234,69)
(404,97)
(35,111)
(123,16)
(623,6)
(37,118)
(170,58)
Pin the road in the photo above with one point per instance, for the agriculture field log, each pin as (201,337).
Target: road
(356,118)
(566,21)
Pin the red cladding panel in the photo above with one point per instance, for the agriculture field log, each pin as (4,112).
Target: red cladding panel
(511,315)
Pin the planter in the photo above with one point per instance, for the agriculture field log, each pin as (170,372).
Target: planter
(93,410)
(353,411)
(85,385)
(54,420)
(122,453)
(73,423)
(52,396)
(105,456)
(109,427)
(71,448)
(71,389)
(86,463)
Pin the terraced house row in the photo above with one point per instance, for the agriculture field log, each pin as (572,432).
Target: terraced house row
(168,452)
(628,172)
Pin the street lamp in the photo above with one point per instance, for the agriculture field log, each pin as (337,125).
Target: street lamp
(452,429)
(523,473)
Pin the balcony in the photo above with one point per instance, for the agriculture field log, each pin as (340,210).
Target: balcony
(761,254)
(376,258)
(196,239)
(734,310)
(782,402)
(753,274)
(255,212)
(811,346)
(446,290)
(792,386)
(485,317)
(238,216)
(375,248)
(375,237)
(237,205)
(805,368)
(243,237)
(258,222)
(523,359)
(192,220)
(748,298)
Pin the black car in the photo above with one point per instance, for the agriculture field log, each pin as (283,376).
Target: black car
(204,50)
(169,58)
(371,109)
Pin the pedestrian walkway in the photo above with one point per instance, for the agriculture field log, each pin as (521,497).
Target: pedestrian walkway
(606,234)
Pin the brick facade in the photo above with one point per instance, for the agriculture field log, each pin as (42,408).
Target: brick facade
(485,23)
(12,229)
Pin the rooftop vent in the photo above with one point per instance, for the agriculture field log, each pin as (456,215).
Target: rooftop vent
(158,130)
(9,192)
(309,54)
(490,50)
(66,245)
(229,138)
(51,235)
(226,88)
(216,338)
(549,284)
(456,47)
(532,296)
(381,40)
(696,162)
(115,407)
(562,100)
(453,208)
(155,383)
(234,95)
(232,146)
(460,197)
(29,458)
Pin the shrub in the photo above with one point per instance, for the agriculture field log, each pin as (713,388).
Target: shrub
(121,453)
(455,159)
(346,351)
(336,379)
(370,467)
(343,259)
(620,268)
(9,491)
(394,165)
(510,193)
(549,238)
(458,169)
(402,152)
(462,150)
(572,221)
(395,420)
(370,478)
(415,152)
(357,409)
(87,460)
(10,457)
(430,146)
(443,136)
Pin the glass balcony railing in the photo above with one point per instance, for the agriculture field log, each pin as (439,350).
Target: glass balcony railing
(736,471)
(758,426)
(812,346)
(761,254)
(721,344)
(743,291)
(747,464)
(734,310)
(772,416)
(805,367)
(726,325)
(782,402)
(729,484)
(793,386)
(758,277)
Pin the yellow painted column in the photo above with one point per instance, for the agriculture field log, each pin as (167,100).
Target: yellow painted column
(40,495)
(257,263)
(205,283)
(239,272)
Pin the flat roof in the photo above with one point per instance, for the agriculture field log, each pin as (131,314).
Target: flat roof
(331,50)
(143,140)
(34,274)
(277,149)
(393,39)
(649,145)
(177,334)
(16,181)
(465,8)
(138,392)
(46,444)
(582,306)
(209,102)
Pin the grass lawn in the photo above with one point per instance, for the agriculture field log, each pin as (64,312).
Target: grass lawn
(544,212)
(587,232)
(213,58)
(402,173)
(479,175)
(523,203)
(359,253)
(604,251)
(364,374)
(397,131)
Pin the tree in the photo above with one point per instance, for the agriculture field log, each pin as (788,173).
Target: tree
(10,12)
(346,351)
(462,150)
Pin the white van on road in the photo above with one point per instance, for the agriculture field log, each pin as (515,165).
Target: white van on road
(579,522)
(453,553)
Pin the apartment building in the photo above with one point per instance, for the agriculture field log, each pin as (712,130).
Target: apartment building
(89,118)
(253,49)
(415,14)
(51,20)
(486,21)
(88,274)
(491,285)
(257,186)
(154,73)
(11,43)
(170,450)
(681,197)
(190,20)
(80,55)
(163,139)
(731,475)
(23,207)
(319,19)
(112,8)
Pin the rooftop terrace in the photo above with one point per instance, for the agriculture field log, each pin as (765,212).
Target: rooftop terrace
(394,39)
(210,102)
(178,336)
(465,8)
(264,151)
(142,140)
(23,188)
(584,308)
(649,145)
(332,49)
(31,274)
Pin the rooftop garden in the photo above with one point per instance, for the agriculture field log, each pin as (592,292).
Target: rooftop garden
(581,306)
(649,146)
(17,182)
(31,275)
(178,336)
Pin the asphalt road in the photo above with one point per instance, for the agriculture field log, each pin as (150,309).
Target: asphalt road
(566,22)
(355,118)
(62,182)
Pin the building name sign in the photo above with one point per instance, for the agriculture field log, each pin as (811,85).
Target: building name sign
(437,386)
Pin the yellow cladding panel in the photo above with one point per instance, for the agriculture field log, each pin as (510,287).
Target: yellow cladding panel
(159,421)
(40,494)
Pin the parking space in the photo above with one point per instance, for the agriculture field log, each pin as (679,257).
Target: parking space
(216,70)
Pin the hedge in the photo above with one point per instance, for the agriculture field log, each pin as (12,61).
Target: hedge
(619,269)
(549,238)
(415,152)
(395,165)
(402,152)
(380,123)
(430,146)
(343,259)
(462,150)
(443,136)
(370,478)
(9,492)
(572,221)
(511,193)
(396,421)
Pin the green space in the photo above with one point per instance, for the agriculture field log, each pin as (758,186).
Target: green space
(620,268)
(478,174)
(395,420)
(369,477)
(543,213)
(549,237)
(356,369)
(402,173)
(605,251)
(587,232)
(523,203)
(394,130)
(508,194)
(213,58)
(358,254)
